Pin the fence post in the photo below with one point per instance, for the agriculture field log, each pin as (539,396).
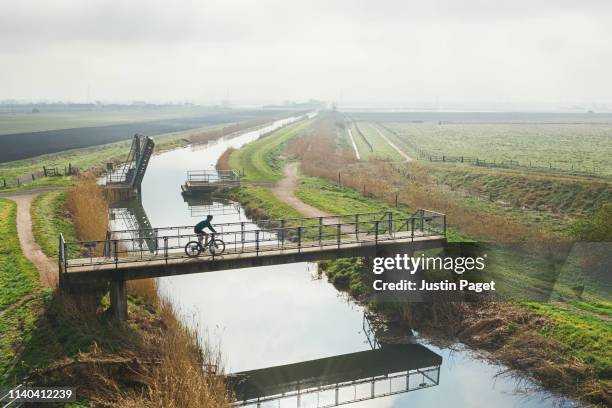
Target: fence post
(339,180)
(338,234)
(45,171)
(412,227)
(396,200)
(33,177)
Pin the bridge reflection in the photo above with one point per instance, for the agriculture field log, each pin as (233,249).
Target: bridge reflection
(332,381)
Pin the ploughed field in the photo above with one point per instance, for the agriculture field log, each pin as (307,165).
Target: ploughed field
(22,145)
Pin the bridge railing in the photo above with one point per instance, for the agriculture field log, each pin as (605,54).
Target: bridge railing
(299,234)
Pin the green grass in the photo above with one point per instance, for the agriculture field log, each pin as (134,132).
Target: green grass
(585,337)
(20,294)
(583,146)
(49,220)
(261,160)
(546,194)
(262,202)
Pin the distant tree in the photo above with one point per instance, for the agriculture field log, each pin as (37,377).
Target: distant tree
(597,227)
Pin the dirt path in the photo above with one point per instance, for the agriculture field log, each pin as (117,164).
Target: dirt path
(47,268)
(407,158)
(284,190)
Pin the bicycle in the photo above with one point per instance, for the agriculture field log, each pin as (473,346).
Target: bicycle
(216,246)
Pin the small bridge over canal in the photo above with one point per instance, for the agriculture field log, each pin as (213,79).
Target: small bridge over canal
(157,252)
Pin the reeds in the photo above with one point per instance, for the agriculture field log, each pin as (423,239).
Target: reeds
(88,208)
(223,161)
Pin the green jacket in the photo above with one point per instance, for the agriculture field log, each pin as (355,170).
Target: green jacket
(199,227)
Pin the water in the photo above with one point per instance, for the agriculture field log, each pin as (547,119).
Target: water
(269,316)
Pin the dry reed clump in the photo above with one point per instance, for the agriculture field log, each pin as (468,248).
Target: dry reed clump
(153,361)
(89,209)
(145,289)
(223,161)
(184,377)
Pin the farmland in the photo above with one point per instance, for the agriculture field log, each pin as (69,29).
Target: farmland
(16,146)
(583,147)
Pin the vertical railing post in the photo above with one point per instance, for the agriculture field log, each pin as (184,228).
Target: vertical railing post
(338,234)
(357,227)
(444,226)
(320,230)
(166,248)
(412,227)
(242,234)
(422,221)
(299,232)
(115,248)
(257,243)
(283,233)
(390,215)
(376,234)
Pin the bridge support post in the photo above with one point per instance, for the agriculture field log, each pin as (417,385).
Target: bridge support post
(118,298)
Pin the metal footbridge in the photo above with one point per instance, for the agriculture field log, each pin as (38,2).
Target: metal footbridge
(157,252)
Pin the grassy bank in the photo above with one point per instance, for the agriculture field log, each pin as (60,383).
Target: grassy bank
(49,219)
(261,160)
(21,296)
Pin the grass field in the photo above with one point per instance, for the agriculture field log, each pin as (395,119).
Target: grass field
(583,147)
(261,160)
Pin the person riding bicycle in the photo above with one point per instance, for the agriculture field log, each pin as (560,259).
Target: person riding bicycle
(199,229)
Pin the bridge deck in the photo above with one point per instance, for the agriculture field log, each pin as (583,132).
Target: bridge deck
(147,265)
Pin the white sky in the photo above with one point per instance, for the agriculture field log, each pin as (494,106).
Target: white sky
(348,50)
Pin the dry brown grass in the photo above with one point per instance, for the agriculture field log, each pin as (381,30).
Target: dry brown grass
(223,161)
(88,208)
(185,375)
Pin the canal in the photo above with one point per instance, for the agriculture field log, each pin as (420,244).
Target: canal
(270,316)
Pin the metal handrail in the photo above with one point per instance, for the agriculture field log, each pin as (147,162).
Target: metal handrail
(251,239)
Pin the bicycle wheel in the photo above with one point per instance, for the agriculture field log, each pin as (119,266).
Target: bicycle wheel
(217,247)
(193,249)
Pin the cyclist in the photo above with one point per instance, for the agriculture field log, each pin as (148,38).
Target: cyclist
(199,229)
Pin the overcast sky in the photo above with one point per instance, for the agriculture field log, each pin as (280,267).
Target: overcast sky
(350,50)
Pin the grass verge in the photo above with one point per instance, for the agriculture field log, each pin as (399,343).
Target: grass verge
(49,219)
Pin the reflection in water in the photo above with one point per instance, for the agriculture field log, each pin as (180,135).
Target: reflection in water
(201,205)
(342,379)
